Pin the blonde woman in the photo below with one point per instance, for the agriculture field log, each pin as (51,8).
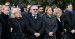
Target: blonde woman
(50,23)
(4,20)
(60,31)
(17,24)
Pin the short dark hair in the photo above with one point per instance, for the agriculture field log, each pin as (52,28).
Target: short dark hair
(39,6)
(68,5)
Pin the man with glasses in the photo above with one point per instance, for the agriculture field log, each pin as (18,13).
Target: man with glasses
(35,25)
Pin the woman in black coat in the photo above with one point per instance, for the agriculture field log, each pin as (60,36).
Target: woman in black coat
(17,24)
(60,30)
(50,23)
(4,20)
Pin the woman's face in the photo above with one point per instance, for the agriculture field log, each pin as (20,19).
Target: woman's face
(49,11)
(17,14)
(6,11)
(58,15)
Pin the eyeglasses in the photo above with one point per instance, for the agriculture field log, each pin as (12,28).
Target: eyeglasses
(35,9)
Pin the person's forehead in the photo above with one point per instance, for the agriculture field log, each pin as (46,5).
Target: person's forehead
(40,7)
(34,7)
(69,5)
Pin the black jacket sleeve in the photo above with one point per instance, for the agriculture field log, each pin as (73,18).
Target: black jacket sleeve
(55,28)
(29,29)
(43,27)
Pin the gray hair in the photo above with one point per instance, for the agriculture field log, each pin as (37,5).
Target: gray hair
(15,10)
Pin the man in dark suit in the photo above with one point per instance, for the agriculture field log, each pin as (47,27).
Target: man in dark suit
(69,21)
(35,25)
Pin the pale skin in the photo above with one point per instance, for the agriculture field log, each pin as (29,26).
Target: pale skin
(5,10)
(34,12)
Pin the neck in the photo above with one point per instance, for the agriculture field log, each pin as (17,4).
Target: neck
(49,14)
(34,14)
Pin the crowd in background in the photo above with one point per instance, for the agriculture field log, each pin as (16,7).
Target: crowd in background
(35,22)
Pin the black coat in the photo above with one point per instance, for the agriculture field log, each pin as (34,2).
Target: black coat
(60,30)
(34,25)
(51,25)
(18,26)
(0,29)
(69,23)
(4,20)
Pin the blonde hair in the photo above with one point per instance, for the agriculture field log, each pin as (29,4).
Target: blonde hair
(15,10)
(4,6)
(46,9)
(57,10)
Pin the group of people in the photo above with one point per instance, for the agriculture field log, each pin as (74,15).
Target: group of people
(32,22)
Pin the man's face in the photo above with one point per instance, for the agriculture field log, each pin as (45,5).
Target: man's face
(69,7)
(34,10)
(41,9)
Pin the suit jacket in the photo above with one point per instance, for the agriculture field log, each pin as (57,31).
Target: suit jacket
(35,25)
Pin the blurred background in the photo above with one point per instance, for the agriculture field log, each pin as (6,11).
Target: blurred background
(59,3)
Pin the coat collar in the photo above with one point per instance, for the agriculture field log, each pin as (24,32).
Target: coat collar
(30,15)
(52,16)
(4,15)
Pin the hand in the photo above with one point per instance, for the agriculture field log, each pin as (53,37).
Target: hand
(11,29)
(50,33)
(37,34)
(72,31)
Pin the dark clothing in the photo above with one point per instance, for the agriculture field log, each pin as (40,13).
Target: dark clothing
(4,20)
(51,26)
(23,13)
(41,14)
(60,30)
(0,30)
(34,26)
(18,26)
(69,19)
